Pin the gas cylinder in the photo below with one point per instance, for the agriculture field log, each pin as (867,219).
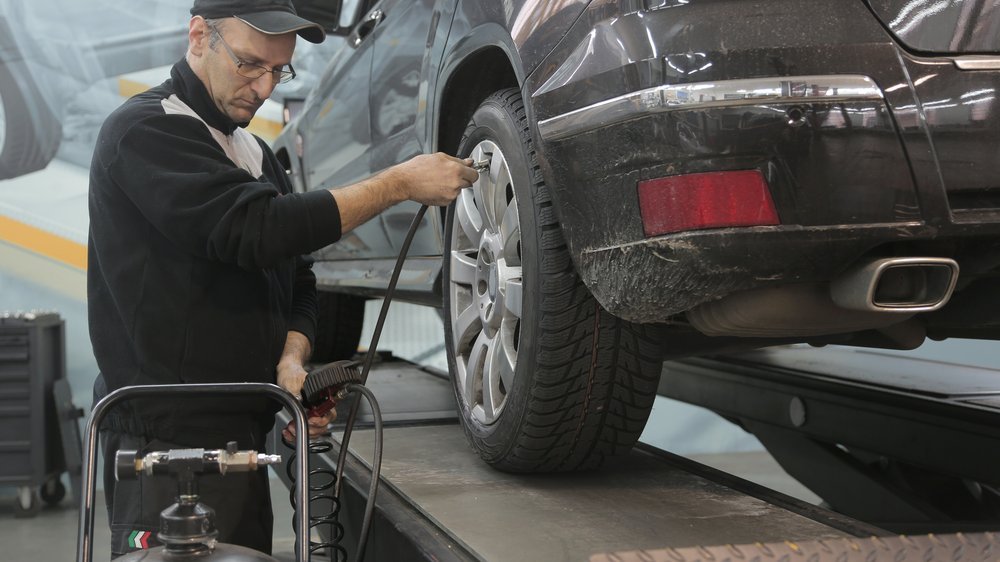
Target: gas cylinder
(187,528)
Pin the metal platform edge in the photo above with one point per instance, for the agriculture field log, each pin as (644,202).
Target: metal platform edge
(907,460)
(821,515)
(959,547)
(400,529)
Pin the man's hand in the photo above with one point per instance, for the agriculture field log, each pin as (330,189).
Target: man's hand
(291,376)
(433,179)
(317,426)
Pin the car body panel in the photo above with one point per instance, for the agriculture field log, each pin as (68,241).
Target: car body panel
(336,144)
(403,57)
(942,27)
(951,127)
(906,170)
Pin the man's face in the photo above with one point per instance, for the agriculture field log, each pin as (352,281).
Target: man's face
(236,95)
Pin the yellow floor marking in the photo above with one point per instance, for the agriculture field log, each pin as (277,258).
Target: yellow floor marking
(43,272)
(52,246)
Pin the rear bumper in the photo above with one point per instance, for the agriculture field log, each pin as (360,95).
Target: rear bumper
(818,114)
(652,280)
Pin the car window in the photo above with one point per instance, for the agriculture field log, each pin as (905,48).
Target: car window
(348,10)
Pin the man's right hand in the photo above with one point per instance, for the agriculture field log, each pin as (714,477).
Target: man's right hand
(430,179)
(433,179)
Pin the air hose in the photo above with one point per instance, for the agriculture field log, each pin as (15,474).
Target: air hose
(334,381)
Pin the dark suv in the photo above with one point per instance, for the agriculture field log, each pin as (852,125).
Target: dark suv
(666,178)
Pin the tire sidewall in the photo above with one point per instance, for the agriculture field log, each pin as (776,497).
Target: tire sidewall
(8,98)
(3,120)
(493,122)
(32,132)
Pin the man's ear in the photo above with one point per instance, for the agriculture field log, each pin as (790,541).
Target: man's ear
(198,36)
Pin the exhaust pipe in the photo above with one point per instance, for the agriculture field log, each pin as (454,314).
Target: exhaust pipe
(896,285)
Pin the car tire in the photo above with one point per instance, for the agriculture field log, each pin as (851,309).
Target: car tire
(545,379)
(338,328)
(29,132)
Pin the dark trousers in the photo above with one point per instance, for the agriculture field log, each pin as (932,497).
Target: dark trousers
(241,500)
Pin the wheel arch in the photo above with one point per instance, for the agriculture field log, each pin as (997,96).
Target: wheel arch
(484,61)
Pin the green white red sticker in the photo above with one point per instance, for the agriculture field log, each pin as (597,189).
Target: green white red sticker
(139,539)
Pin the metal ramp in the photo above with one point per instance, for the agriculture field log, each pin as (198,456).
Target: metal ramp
(907,444)
(439,501)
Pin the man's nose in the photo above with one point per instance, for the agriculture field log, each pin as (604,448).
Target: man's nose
(263,85)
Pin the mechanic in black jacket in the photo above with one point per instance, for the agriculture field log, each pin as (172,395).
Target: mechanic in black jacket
(196,260)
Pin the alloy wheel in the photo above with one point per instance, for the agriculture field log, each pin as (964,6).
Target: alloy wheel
(485,287)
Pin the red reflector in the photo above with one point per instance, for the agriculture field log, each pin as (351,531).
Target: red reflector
(709,200)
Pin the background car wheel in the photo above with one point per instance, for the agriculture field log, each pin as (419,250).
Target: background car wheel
(29,132)
(546,380)
(338,329)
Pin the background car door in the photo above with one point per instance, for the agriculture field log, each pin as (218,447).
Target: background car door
(408,47)
(336,132)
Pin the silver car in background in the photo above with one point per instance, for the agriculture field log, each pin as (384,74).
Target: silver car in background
(54,54)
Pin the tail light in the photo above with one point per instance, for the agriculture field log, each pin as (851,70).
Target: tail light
(706,200)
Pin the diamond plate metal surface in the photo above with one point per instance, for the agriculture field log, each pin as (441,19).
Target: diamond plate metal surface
(958,547)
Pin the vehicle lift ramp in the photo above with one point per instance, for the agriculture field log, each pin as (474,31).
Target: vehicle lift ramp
(906,444)
(438,501)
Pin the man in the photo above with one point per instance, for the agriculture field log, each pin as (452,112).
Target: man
(196,272)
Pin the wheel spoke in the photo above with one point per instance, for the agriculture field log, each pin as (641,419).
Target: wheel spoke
(467,325)
(492,395)
(474,372)
(469,218)
(494,192)
(500,178)
(463,268)
(513,293)
(503,361)
(486,197)
(510,234)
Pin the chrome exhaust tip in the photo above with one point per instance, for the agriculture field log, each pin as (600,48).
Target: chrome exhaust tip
(903,285)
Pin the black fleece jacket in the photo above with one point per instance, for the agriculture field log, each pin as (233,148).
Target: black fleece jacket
(196,270)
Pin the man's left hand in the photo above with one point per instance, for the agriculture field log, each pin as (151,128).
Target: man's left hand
(291,377)
(317,426)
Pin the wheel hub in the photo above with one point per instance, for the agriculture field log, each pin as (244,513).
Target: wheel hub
(488,294)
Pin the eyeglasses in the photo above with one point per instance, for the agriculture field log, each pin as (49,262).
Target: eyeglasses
(255,71)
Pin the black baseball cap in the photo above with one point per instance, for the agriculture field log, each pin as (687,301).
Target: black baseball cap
(273,17)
